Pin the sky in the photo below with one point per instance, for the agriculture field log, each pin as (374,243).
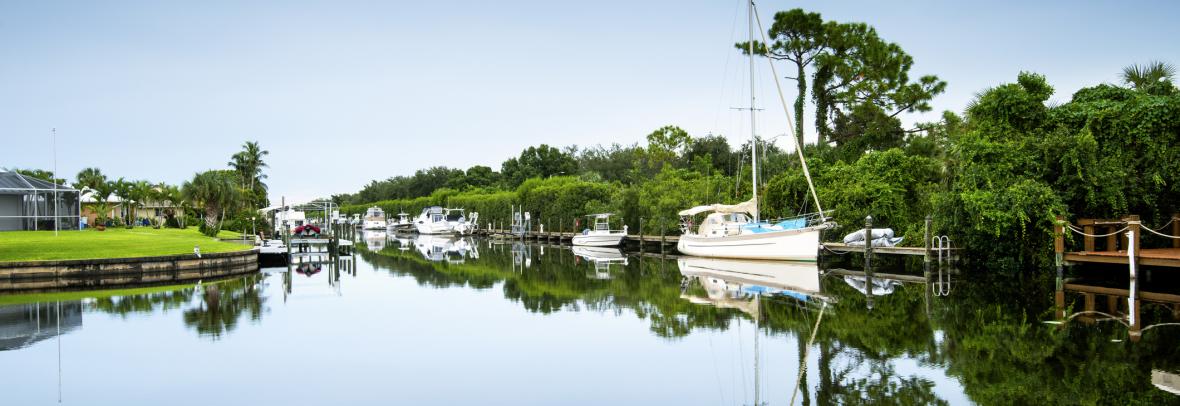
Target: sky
(345,92)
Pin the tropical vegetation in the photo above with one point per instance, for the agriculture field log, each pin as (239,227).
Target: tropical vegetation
(993,177)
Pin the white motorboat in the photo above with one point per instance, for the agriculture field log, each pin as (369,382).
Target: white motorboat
(402,224)
(290,218)
(374,219)
(736,231)
(433,220)
(459,223)
(600,235)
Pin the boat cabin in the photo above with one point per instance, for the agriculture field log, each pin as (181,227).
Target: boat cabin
(717,224)
(434,214)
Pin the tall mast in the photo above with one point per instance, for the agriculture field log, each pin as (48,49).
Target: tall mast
(753,136)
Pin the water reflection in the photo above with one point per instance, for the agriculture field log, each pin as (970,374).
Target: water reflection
(222,305)
(23,325)
(892,335)
(601,260)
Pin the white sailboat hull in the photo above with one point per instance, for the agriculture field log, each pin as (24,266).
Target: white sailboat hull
(599,240)
(791,245)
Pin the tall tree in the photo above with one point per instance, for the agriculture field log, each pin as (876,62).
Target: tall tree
(796,36)
(666,145)
(248,163)
(540,161)
(89,178)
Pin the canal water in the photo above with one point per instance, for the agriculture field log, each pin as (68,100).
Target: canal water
(430,320)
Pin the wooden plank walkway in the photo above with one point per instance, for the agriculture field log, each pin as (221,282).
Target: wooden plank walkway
(918,251)
(1106,242)
(566,236)
(1165,257)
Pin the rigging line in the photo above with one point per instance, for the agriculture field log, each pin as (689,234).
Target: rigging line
(741,356)
(716,370)
(782,100)
(728,56)
(803,356)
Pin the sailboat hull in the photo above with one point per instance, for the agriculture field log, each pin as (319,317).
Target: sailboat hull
(792,245)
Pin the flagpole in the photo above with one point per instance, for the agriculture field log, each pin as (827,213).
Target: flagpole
(54,179)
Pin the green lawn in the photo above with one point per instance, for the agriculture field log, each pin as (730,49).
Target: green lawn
(113,243)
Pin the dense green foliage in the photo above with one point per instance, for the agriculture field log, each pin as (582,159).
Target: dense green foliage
(993,178)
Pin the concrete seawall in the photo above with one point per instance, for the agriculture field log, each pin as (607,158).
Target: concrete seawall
(118,272)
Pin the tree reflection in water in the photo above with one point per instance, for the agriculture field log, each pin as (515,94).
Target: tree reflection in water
(223,304)
(988,336)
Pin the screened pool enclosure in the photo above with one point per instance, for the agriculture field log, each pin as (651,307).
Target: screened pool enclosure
(28,203)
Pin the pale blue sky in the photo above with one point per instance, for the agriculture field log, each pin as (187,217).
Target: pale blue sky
(148,90)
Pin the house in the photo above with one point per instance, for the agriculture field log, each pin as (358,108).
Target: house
(28,203)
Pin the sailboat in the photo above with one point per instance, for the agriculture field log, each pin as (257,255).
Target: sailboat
(736,231)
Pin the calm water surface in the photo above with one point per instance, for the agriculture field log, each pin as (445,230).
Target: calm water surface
(446,321)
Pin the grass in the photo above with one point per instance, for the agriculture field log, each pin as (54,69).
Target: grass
(7,299)
(112,243)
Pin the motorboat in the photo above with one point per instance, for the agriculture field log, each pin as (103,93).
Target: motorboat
(600,234)
(459,223)
(402,224)
(433,220)
(374,219)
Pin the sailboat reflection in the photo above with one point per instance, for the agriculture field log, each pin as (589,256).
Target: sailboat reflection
(728,282)
(741,285)
(601,258)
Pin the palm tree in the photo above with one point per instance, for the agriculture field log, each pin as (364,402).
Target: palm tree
(102,192)
(177,202)
(123,189)
(89,178)
(248,163)
(1142,76)
(216,192)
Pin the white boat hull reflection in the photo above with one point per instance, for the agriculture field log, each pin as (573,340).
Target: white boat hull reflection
(730,279)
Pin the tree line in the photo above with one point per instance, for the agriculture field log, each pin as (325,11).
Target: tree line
(993,176)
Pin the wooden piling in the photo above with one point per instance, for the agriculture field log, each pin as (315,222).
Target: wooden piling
(1059,246)
(927,233)
(1176,230)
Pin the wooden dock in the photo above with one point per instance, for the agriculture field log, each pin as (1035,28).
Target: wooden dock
(568,236)
(1107,242)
